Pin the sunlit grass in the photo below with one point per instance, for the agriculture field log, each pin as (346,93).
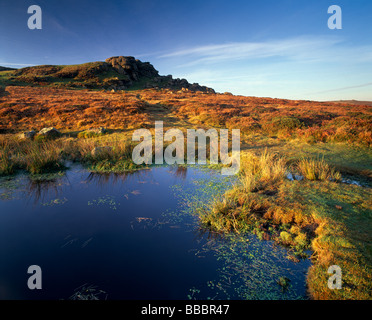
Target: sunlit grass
(317,169)
(6,165)
(319,213)
(51,155)
(331,218)
(43,157)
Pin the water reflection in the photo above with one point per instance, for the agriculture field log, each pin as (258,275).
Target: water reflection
(135,235)
(180,172)
(35,188)
(43,188)
(114,178)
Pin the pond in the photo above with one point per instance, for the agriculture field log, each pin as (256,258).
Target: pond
(132,236)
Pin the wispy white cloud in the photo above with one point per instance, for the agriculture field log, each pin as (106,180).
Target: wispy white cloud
(343,88)
(215,77)
(306,48)
(8,64)
(60,27)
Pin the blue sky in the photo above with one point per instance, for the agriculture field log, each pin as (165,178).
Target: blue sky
(262,48)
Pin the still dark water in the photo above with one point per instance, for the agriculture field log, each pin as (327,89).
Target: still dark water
(131,236)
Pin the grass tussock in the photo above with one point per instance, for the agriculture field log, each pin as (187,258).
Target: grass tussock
(317,169)
(258,174)
(6,164)
(43,156)
(260,171)
(330,218)
(114,158)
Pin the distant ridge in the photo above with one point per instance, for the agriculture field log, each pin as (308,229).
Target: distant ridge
(366,103)
(6,69)
(115,73)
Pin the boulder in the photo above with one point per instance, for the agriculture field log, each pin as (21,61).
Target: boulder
(100,130)
(50,132)
(134,70)
(132,67)
(27,135)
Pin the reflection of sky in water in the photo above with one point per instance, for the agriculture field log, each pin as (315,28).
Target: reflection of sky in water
(133,236)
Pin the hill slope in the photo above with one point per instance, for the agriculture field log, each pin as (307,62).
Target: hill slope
(115,73)
(6,69)
(358,102)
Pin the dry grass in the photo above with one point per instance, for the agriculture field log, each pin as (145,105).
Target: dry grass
(6,165)
(310,121)
(42,157)
(50,155)
(331,218)
(317,169)
(298,214)
(27,108)
(258,171)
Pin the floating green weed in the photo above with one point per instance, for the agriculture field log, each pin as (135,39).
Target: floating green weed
(105,201)
(9,187)
(54,202)
(249,268)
